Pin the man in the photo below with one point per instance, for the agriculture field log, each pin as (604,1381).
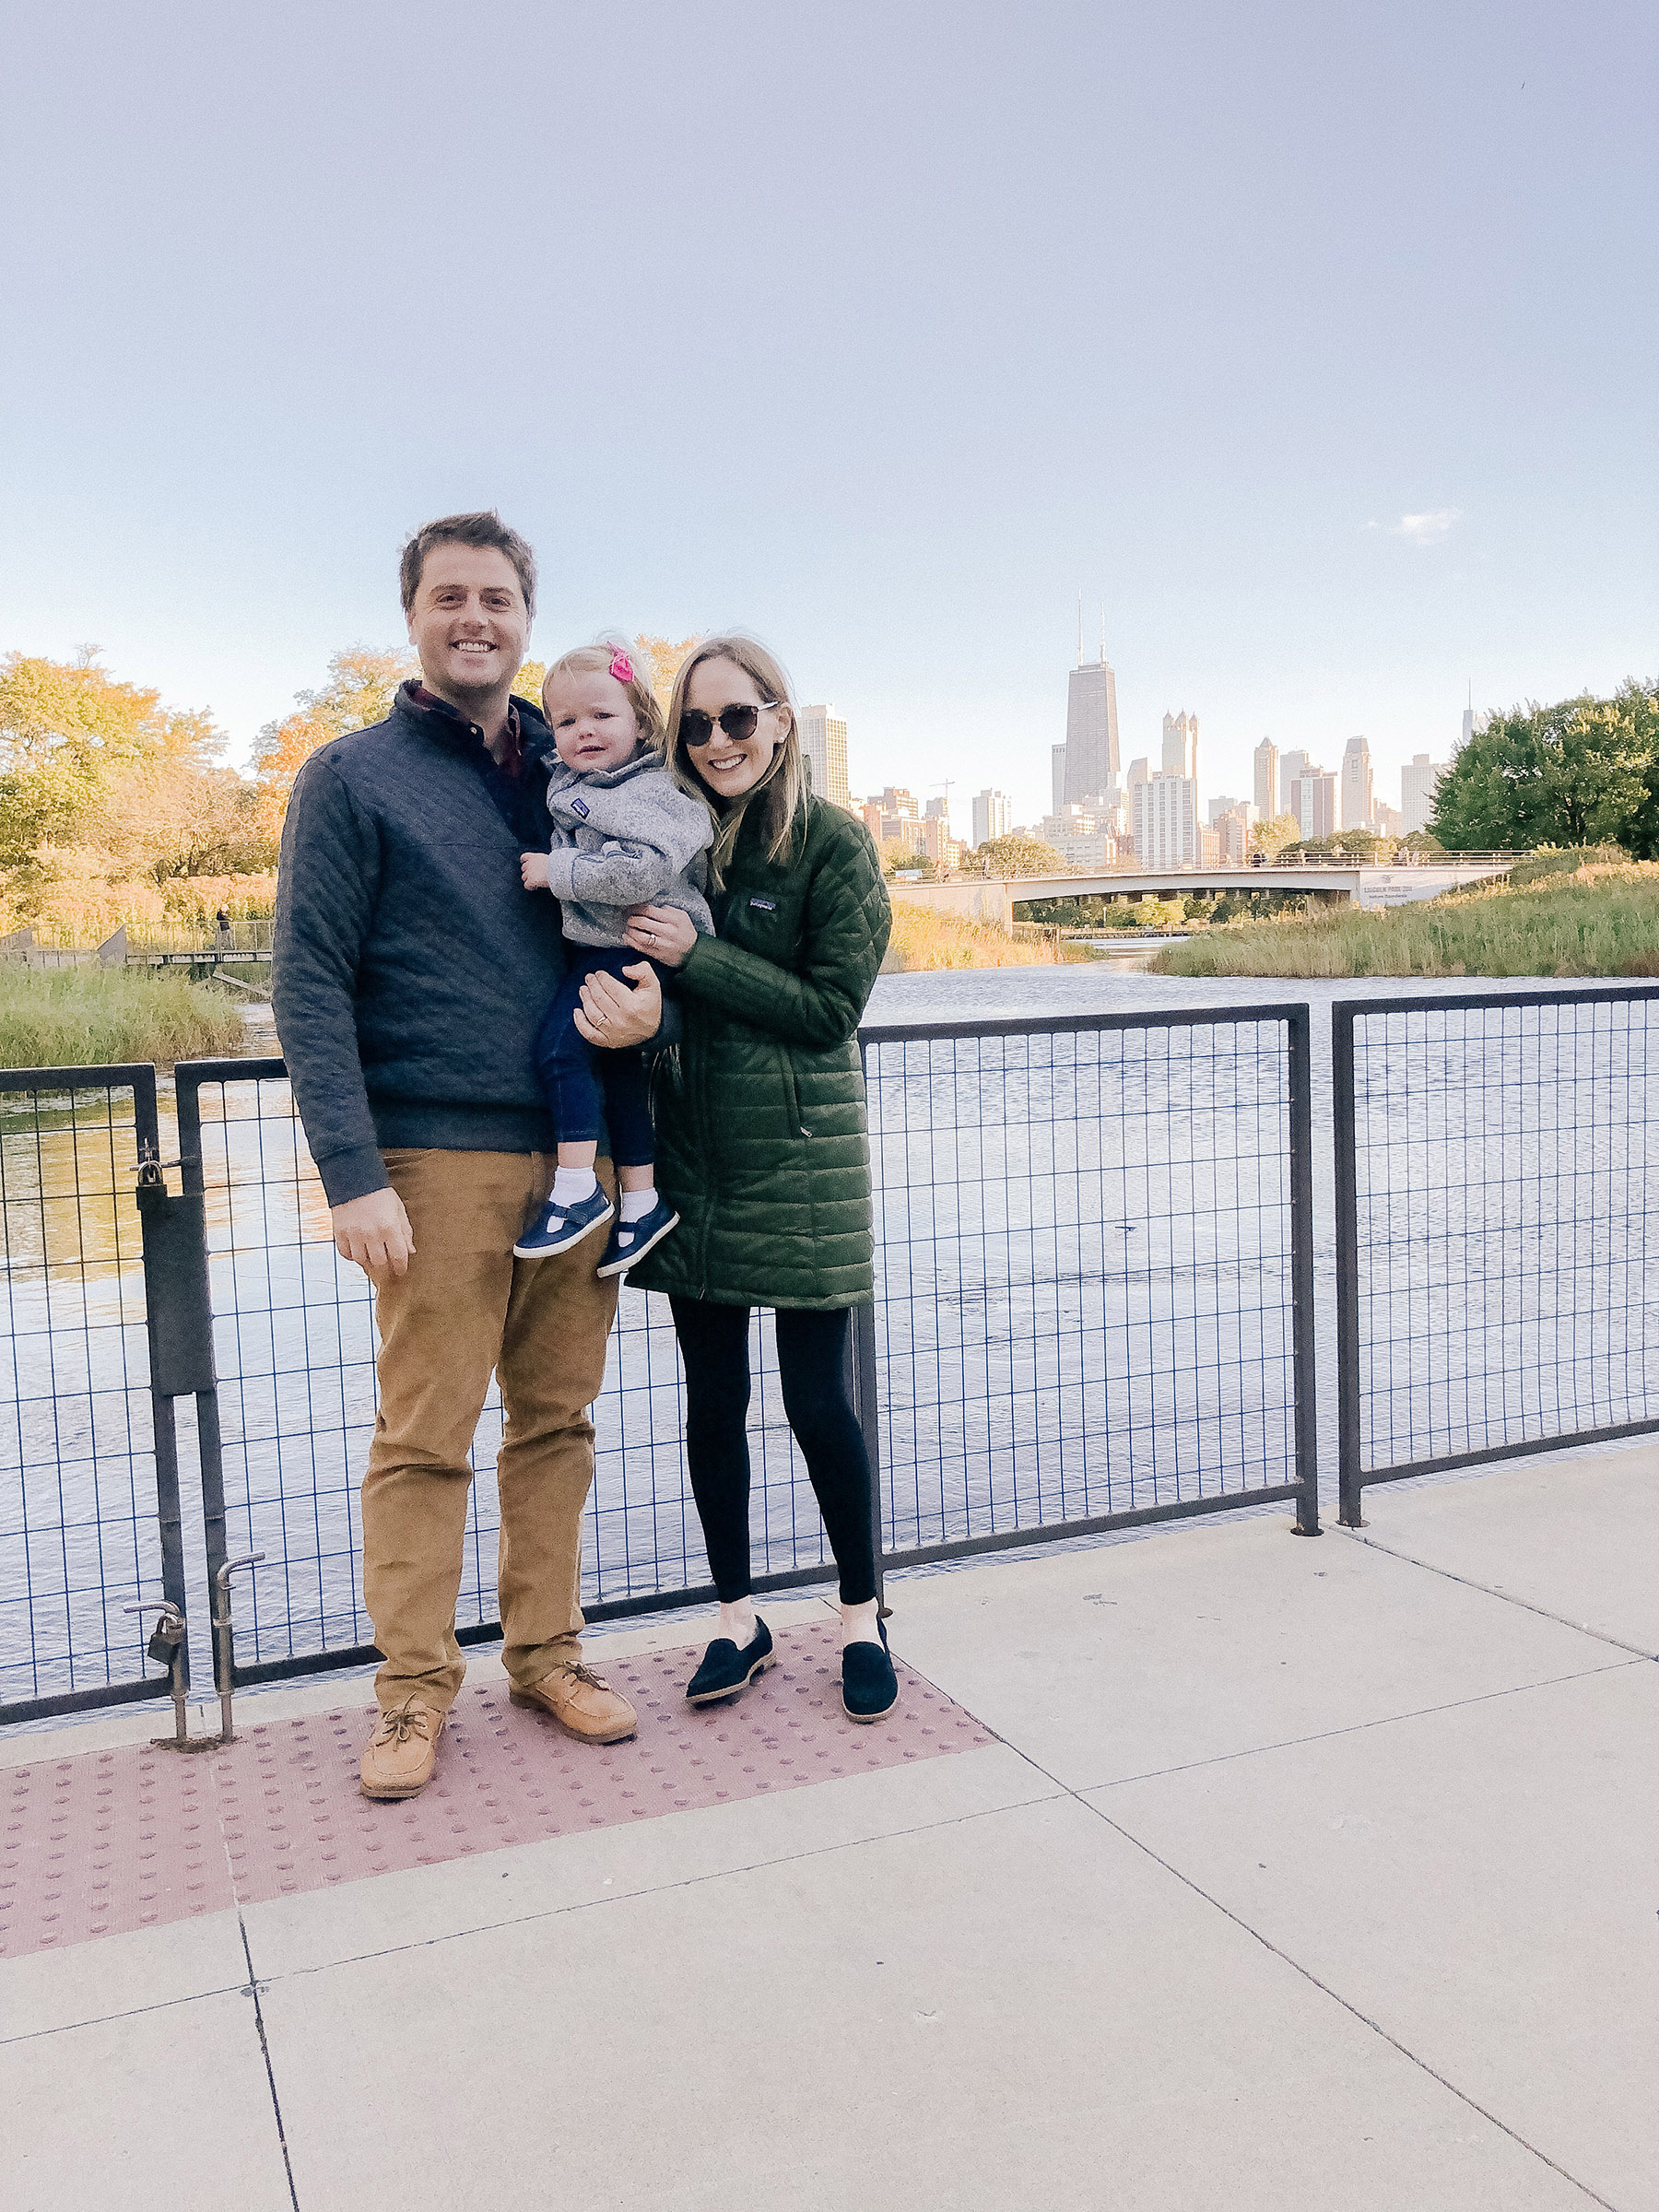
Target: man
(410,970)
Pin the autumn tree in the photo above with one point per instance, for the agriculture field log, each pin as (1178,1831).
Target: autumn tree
(665,657)
(361,684)
(1020,855)
(68,730)
(1273,837)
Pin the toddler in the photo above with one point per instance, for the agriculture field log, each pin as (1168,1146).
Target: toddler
(624,834)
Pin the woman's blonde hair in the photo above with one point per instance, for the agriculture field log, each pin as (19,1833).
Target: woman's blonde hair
(597,659)
(780,793)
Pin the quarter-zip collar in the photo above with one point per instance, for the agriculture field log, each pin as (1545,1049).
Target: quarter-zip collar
(518,801)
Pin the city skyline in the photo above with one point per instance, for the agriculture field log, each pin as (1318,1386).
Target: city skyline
(1359,479)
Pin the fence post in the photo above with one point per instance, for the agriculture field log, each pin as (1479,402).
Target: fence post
(860,1360)
(861,1378)
(176,1323)
(1299,1026)
(1351,1476)
(209,1448)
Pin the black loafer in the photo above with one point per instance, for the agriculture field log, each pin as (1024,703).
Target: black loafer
(869,1685)
(725,1670)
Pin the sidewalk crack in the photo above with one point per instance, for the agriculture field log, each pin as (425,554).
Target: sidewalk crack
(264,2049)
(1508,1598)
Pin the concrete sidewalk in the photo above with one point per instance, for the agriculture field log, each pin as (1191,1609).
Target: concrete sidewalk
(1299,1875)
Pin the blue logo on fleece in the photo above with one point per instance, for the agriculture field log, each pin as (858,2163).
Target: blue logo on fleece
(579,806)
(767,906)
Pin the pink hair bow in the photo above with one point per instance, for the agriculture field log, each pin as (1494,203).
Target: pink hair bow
(621,667)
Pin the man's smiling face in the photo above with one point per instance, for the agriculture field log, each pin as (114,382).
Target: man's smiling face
(469,623)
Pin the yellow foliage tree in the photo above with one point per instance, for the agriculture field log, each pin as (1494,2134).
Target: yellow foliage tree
(68,730)
(359,691)
(665,656)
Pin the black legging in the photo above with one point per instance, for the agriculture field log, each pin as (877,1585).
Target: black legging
(812,1349)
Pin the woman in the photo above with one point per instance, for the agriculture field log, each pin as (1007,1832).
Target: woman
(761,1143)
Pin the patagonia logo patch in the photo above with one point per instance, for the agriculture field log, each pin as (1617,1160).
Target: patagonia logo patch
(580,807)
(767,906)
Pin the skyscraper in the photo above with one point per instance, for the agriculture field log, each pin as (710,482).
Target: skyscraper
(1266,780)
(993,815)
(1057,777)
(1418,781)
(824,740)
(1163,821)
(1313,799)
(1181,746)
(1091,736)
(1356,785)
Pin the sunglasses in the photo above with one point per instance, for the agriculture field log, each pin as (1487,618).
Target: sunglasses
(738,723)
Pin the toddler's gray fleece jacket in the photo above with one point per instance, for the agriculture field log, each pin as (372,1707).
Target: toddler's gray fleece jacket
(625,837)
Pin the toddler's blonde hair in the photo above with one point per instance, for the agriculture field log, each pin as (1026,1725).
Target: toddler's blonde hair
(595,659)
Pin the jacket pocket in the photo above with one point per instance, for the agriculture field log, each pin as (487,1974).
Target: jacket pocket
(792,1099)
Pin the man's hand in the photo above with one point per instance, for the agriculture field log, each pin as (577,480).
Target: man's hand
(374,1234)
(533,867)
(667,933)
(613,1018)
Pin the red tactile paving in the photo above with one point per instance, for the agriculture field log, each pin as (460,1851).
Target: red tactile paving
(102,1843)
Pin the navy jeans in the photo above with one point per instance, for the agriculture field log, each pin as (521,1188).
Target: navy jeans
(585,1087)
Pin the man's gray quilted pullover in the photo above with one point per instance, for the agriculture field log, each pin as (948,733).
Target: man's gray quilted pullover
(411,967)
(625,837)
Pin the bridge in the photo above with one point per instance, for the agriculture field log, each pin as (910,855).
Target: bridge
(994,897)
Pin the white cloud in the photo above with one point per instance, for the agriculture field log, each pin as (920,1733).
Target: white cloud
(1424,529)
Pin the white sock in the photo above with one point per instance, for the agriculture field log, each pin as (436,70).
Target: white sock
(636,1205)
(570,1185)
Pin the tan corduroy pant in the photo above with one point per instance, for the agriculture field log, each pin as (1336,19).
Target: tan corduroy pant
(465,1308)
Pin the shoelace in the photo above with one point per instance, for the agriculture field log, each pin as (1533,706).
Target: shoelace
(406,1722)
(578,1673)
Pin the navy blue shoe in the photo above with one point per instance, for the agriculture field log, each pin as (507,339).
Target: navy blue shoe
(869,1685)
(725,1670)
(562,1225)
(630,1241)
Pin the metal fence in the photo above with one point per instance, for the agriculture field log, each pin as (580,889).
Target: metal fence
(90,1502)
(1094,1309)
(1497,1193)
(1094,1297)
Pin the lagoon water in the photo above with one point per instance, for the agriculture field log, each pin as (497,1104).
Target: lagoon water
(1083,1301)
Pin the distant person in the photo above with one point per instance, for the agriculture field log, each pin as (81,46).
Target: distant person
(622,832)
(410,972)
(221,930)
(763,1146)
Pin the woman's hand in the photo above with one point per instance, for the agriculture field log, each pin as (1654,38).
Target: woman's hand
(667,933)
(615,1017)
(533,867)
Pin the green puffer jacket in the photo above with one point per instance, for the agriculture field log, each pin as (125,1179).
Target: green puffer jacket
(759,1110)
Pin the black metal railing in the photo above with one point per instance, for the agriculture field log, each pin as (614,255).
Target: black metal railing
(1094,1309)
(1497,1227)
(1094,1297)
(90,1525)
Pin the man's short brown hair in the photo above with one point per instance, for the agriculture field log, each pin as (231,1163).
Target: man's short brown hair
(485,529)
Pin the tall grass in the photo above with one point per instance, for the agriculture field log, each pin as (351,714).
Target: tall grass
(922,939)
(1602,921)
(86,1017)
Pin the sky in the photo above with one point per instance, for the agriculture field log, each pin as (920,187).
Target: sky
(1315,344)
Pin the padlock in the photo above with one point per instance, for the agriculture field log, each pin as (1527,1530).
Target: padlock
(166,1638)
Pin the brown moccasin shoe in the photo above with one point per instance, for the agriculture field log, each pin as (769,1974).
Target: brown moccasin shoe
(401,1754)
(582,1703)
